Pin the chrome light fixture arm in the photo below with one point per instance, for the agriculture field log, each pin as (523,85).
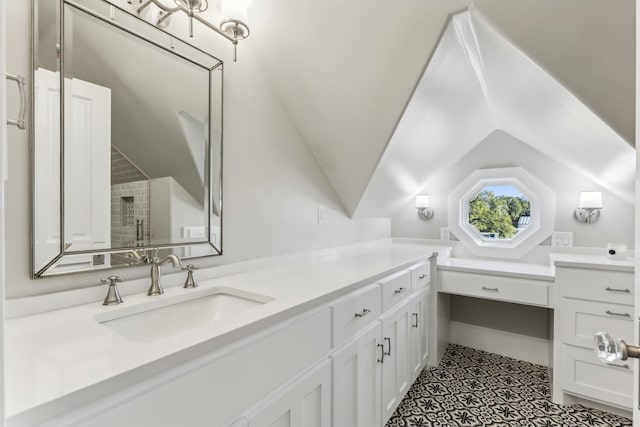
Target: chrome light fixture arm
(231,29)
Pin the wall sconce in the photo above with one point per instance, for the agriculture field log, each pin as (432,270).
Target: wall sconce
(425,212)
(233,25)
(588,210)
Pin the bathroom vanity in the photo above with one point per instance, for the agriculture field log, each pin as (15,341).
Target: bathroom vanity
(349,331)
(336,339)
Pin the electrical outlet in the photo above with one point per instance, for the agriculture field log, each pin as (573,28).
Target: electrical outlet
(445,234)
(562,239)
(322,214)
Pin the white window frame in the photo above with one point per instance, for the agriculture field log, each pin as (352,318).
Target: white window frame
(541,199)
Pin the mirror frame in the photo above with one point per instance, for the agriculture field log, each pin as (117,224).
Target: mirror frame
(160,39)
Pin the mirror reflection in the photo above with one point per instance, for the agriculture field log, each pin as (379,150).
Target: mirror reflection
(141,141)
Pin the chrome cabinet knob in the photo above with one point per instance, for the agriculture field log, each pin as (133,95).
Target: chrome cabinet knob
(612,350)
(113,296)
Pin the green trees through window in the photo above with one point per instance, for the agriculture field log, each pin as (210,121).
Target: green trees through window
(499,212)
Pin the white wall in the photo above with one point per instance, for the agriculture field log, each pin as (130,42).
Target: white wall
(499,149)
(272,182)
(3,169)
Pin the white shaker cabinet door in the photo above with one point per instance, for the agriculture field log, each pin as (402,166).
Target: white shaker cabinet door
(419,332)
(306,402)
(357,371)
(396,337)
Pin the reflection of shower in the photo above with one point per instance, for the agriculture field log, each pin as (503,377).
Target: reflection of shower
(139,229)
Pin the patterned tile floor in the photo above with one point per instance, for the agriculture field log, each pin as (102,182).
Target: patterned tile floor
(474,388)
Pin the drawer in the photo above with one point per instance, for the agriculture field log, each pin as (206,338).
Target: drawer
(354,312)
(582,319)
(511,289)
(597,285)
(420,276)
(395,288)
(583,373)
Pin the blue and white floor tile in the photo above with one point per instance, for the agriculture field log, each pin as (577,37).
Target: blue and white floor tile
(475,388)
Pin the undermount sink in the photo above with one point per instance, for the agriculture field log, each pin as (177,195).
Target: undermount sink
(177,315)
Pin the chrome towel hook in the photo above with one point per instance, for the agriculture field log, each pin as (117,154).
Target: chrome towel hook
(23,101)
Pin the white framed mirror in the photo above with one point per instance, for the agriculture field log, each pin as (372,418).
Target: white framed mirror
(126,141)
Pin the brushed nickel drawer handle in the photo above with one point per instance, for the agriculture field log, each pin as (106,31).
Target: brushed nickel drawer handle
(424,276)
(364,312)
(399,291)
(381,360)
(484,288)
(23,101)
(624,291)
(625,366)
(612,313)
(388,340)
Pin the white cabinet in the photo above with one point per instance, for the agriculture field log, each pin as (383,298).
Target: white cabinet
(396,338)
(306,402)
(592,301)
(419,332)
(357,379)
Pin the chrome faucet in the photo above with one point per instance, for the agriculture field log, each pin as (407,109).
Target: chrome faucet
(156,263)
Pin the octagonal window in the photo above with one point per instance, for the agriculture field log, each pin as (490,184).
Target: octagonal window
(499,212)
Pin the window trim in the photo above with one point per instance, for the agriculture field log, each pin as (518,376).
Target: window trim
(541,199)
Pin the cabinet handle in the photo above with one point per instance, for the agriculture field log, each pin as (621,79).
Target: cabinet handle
(625,366)
(365,311)
(381,360)
(624,291)
(23,101)
(484,288)
(424,276)
(399,291)
(388,340)
(611,313)
(415,316)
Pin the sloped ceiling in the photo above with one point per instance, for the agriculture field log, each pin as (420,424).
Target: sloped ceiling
(345,71)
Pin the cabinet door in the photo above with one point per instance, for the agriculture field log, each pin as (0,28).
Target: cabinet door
(306,402)
(395,369)
(357,380)
(419,332)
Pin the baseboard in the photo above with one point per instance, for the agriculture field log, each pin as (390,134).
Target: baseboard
(521,347)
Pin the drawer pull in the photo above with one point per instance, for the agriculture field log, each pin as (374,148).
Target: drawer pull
(399,291)
(612,313)
(424,276)
(415,316)
(624,291)
(484,288)
(381,360)
(625,366)
(364,312)
(388,352)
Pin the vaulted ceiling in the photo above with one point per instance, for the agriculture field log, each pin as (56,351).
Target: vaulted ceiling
(346,71)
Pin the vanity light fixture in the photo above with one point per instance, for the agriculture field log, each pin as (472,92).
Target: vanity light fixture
(588,210)
(233,25)
(425,212)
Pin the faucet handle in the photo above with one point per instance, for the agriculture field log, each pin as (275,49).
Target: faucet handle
(190,283)
(112,280)
(113,296)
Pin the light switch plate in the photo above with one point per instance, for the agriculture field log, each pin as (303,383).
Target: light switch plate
(562,239)
(322,214)
(445,234)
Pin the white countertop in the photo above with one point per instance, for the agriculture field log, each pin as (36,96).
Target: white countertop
(596,262)
(498,268)
(63,354)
